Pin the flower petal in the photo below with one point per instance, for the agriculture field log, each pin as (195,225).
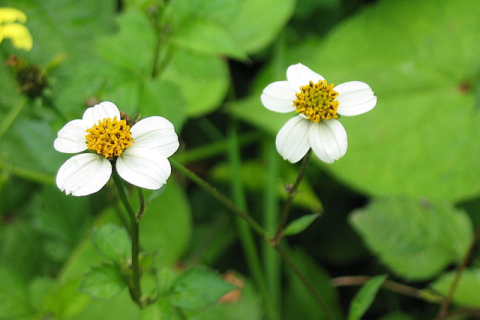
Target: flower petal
(355,98)
(155,133)
(299,75)
(103,110)
(84,174)
(328,139)
(292,140)
(279,97)
(145,168)
(71,138)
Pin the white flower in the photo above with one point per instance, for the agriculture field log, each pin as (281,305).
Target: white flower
(318,106)
(139,153)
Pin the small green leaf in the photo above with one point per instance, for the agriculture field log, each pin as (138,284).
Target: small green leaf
(364,297)
(162,310)
(300,224)
(113,242)
(415,238)
(198,288)
(156,193)
(207,36)
(104,282)
(468,289)
(165,278)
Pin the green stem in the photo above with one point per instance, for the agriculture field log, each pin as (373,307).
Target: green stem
(442,314)
(305,281)
(136,291)
(220,197)
(11,116)
(291,194)
(270,221)
(246,236)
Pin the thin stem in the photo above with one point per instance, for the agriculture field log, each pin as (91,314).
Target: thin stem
(388,284)
(11,116)
(442,314)
(291,194)
(305,281)
(141,198)
(136,291)
(220,197)
(270,221)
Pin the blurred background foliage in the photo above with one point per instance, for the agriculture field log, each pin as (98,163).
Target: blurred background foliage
(402,202)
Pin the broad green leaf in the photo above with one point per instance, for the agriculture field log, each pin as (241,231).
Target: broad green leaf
(468,289)
(207,36)
(160,97)
(64,220)
(402,57)
(202,80)
(13,295)
(66,300)
(113,242)
(364,297)
(299,303)
(198,288)
(104,282)
(165,278)
(300,224)
(222,11)
(415,238)
(258,23)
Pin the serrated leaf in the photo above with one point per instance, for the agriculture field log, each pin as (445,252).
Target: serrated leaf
(208,36)
(300,224)
(198,288)
(113,242)
(104,282)
(162,310)
(364,297)
(415,238)
(468,289)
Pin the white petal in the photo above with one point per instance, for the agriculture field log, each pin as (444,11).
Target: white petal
(279,97)
(292,140)
(299,75)
(84,174)
(145,168)
(328,139)
(155,133)
(355,98)
(71,138)
(103,110)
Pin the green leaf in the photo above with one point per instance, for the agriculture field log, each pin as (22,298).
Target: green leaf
(198,288)
(65,300)
(208,36)
(104,282)
(300,224)
(13,295)
(162,310)
(364,297)
(113,242)
(468,290)
(415,238)
(202,80)
(258,23)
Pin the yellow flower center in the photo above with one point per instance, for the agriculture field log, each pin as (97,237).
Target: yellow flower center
(317,101)
(109,137)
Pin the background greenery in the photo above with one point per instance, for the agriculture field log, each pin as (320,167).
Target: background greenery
(403,202)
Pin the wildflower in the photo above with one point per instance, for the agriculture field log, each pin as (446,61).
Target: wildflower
(139,153)
(17,32)
(318,105)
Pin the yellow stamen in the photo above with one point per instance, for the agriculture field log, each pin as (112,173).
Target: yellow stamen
(109,137)
(317,101)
